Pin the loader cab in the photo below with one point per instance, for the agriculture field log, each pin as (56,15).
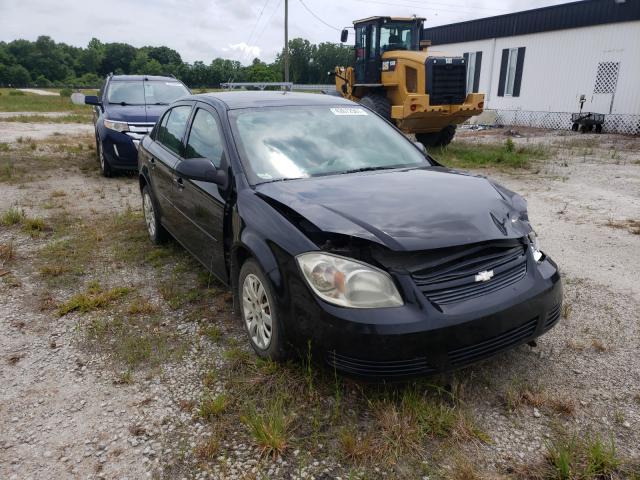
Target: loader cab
(377,35)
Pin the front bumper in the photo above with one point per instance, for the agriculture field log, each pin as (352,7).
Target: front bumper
(121,148)
(421,338)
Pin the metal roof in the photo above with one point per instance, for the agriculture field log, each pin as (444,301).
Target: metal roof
(251,99)
(585,13)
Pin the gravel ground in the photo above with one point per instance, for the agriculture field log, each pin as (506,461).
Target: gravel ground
(62,416)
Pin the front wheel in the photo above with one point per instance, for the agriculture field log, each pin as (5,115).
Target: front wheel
(378,103)
(105,168)
(259,312)
(437,139)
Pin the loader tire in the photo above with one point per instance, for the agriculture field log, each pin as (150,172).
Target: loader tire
(378,103)
(437,139)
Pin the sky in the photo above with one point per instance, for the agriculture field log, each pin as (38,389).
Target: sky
(236,29)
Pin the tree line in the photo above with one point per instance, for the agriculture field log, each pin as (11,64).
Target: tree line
(45,63)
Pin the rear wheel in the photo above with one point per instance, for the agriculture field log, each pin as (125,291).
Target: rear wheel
(437,139)
(378,103)
(157,233)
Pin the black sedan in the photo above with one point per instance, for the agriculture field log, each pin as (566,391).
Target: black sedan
(334,230)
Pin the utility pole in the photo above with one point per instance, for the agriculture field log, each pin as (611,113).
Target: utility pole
(286,40)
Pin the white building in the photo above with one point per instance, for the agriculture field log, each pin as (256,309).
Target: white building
(534,65)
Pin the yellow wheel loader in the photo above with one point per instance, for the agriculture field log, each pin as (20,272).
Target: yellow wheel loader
(397,76)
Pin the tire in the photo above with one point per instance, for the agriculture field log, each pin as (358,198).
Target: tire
(599,128)
(157,233)
(575,127)
(437,139)
(105,168)
(378,103)
(255,291)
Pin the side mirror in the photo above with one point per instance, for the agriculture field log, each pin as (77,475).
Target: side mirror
(420,146)
(344,35)
(92,100)
(201,169)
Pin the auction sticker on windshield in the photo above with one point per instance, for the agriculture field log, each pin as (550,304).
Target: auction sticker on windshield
(348,111)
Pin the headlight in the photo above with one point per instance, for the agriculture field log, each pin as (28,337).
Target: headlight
(534,243)
(117,126)
(348,283)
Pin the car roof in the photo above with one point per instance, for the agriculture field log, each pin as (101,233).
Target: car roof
(116,78)
(251,99)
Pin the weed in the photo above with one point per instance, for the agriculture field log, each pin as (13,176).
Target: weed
(7,252)
(270,429)
(124,378)
(212,332)
(94,298)
(207,450)
(211,407)
(476,155)
(13,216)
(601,459)
(141,306)
(209,379)
(567,308)
(33,226)
(598,346)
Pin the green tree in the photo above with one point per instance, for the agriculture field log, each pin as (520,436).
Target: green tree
(117,58)
(18,76)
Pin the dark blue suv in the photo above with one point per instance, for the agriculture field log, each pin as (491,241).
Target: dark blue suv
(125,110)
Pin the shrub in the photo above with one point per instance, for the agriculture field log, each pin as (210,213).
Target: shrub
(66,92)
(16,93)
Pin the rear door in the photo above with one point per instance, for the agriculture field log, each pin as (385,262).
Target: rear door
(201,203)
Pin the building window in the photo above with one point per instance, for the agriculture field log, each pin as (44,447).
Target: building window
(474,62)
(511,72)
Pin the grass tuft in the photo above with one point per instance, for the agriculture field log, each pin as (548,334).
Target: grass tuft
(94,298)
(270,428)
(213,406)
(13,216)
(480,155)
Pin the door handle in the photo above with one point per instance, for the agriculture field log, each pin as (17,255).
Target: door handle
(179,182)
(152,161)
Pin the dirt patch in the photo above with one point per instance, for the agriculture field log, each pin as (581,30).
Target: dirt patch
(122,359)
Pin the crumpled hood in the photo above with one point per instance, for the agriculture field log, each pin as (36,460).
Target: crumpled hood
(135,113)
(415,209)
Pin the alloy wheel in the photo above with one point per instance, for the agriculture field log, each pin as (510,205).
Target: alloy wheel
(149,215)
(257,311)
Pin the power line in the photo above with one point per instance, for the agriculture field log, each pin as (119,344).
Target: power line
(257,21)
(268,21)
(317,17)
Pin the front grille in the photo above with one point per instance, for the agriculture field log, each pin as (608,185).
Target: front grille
(139,129)
(379,368)
(552,317)
(454,279)
(491,346)
(446,80)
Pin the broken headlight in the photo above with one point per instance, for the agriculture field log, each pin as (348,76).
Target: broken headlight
(348,283)
(534,243)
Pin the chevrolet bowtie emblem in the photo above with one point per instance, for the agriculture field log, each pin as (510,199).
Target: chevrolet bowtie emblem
(484,276)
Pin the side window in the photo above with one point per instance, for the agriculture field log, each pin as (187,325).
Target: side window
(161,127)
(205,140)
(173,127)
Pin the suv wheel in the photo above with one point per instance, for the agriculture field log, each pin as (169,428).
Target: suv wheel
(105,168)
(259,312)
(157,233)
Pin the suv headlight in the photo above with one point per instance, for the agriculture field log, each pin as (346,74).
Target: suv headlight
(115,125)
(534,243)
(348,283)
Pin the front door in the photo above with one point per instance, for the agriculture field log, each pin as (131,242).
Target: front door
(202,204)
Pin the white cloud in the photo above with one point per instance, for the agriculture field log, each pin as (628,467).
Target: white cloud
(248,51)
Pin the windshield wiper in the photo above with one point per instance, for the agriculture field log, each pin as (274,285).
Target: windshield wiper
(125,104)
(366,169)
(281,180)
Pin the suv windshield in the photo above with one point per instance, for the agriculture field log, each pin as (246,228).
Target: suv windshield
(396,37)
(278,143)
(149,92)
